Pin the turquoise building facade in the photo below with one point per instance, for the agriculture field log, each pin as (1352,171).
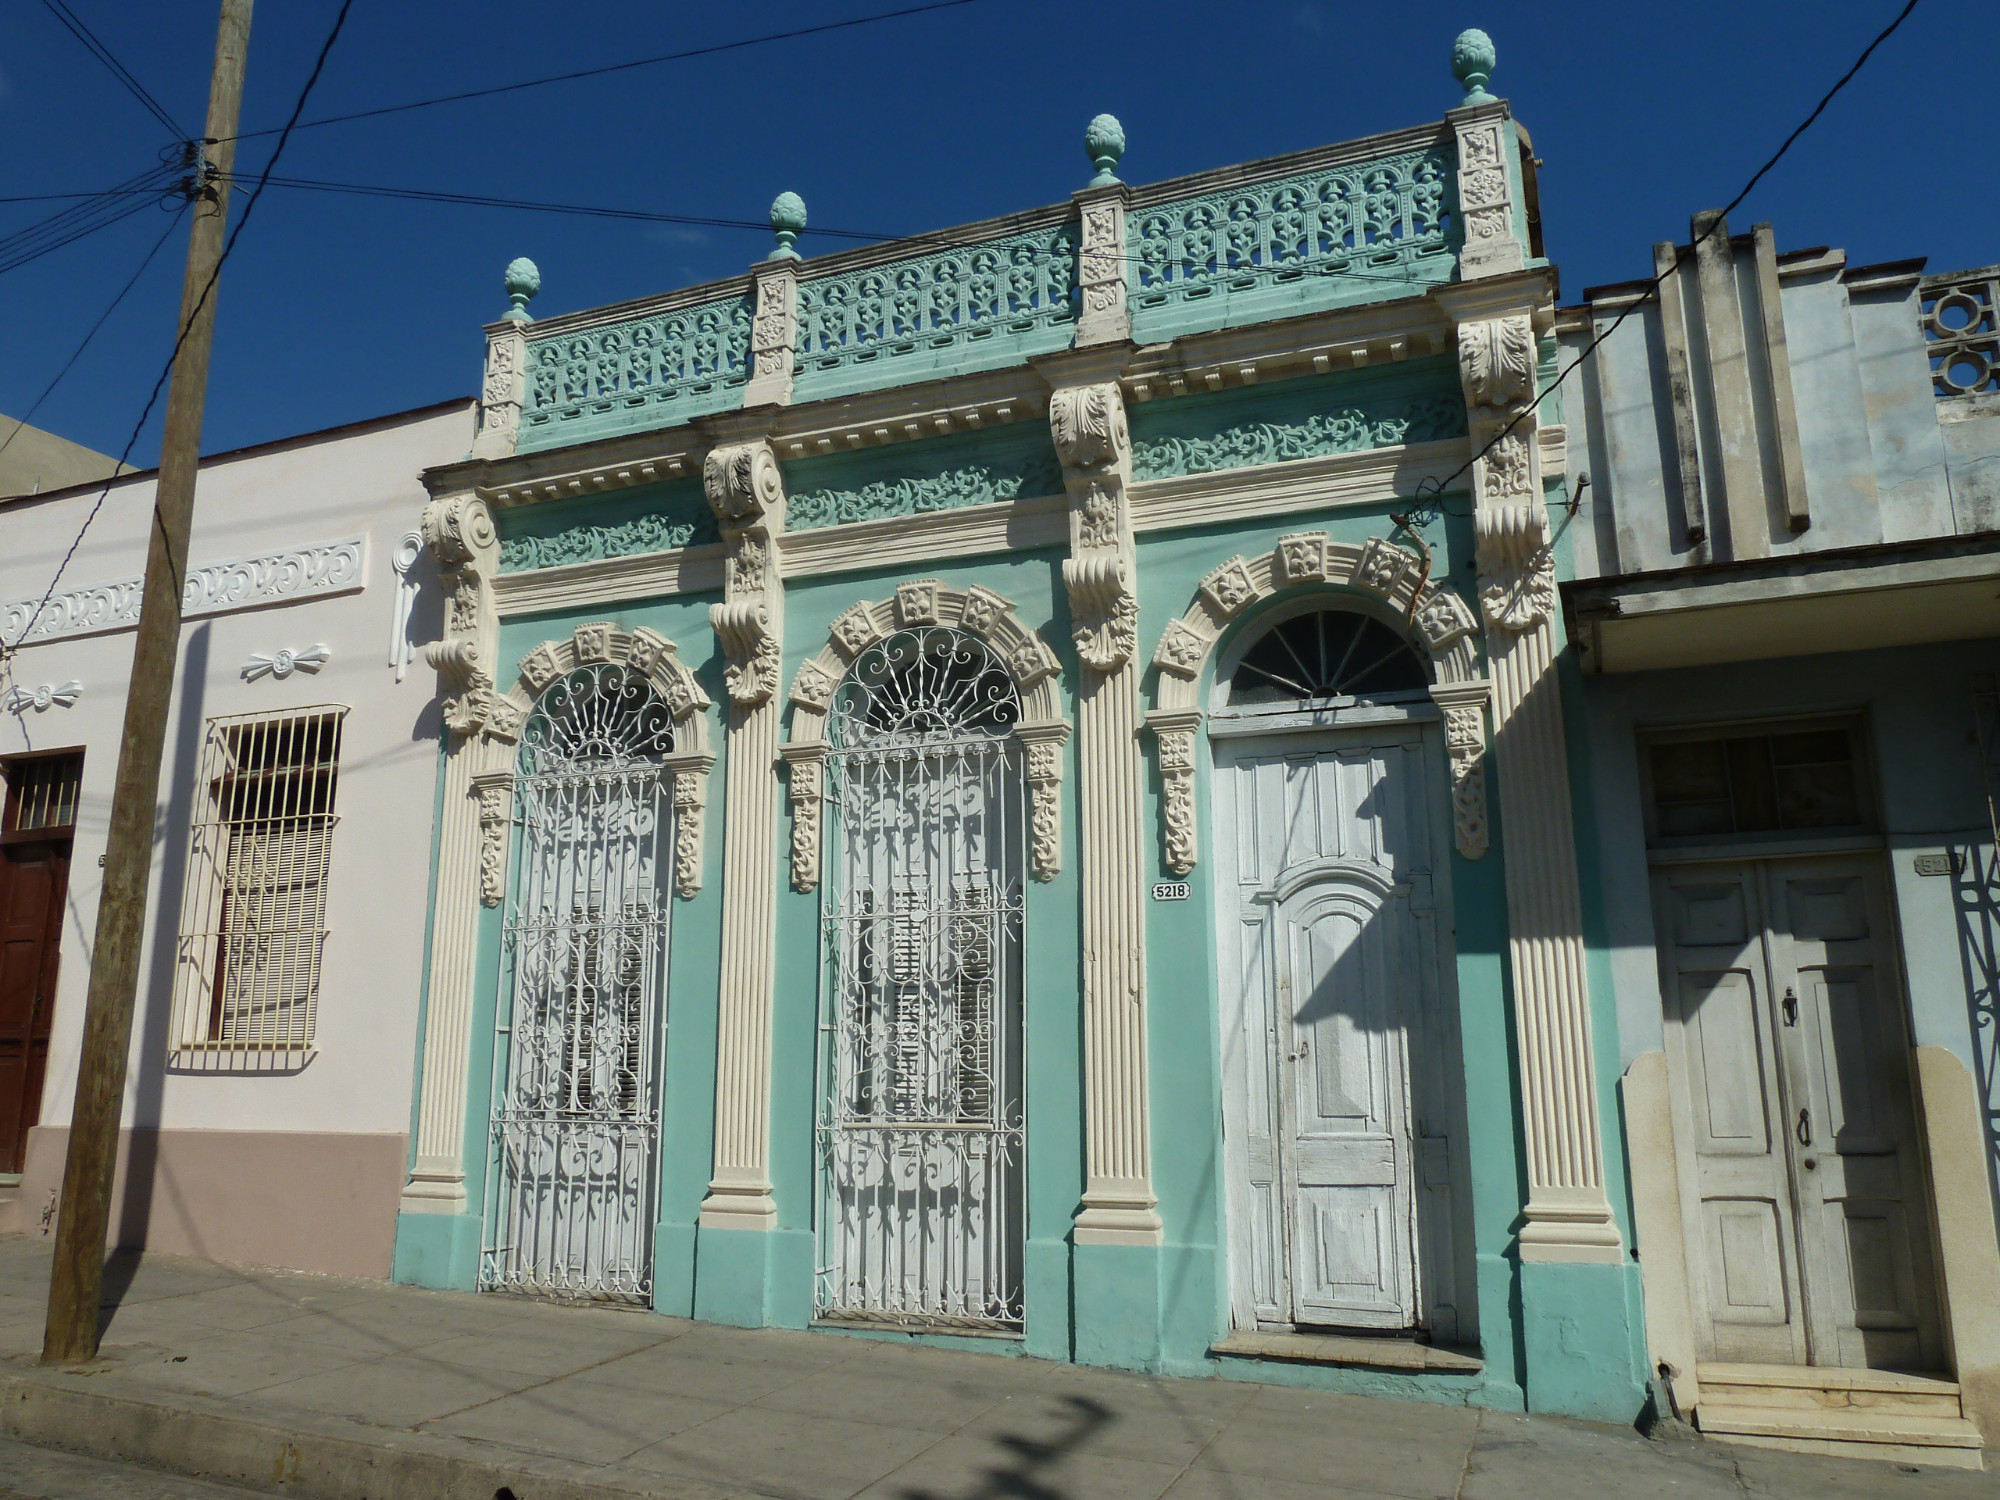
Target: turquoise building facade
(1025,789)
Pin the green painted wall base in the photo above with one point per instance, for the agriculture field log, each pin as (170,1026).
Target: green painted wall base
(1580,1333)
(753,1279)
(437,1250)
(1117,1300)
(1045,1299)
(673,1270)
(1193,1305)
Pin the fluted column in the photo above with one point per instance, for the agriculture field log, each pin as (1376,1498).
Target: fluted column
(747,492)
(458,530)
(1568,1217)
(1119,1205)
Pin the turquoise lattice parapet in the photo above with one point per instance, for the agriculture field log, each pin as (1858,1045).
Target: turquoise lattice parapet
(1355,232)
(648,371)
(971,307)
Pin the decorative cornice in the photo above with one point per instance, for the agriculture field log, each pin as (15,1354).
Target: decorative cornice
(1430,418)
(216,588)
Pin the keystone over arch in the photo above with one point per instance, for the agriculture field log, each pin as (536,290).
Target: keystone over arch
(652,656)
(1434,616)
(977,611)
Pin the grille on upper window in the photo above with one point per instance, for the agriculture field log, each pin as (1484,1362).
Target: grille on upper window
(253,917)
(1329,655)
(1798,779)
(42,795)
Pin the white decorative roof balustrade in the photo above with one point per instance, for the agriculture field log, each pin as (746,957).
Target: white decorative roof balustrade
(1961,313)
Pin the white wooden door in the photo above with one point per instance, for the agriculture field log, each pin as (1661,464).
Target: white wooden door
(1340,1115)
(1801,1178)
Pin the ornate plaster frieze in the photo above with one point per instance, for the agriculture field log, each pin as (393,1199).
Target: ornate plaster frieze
(1464,706)
(494,791)
(215,588)
(1348,429)
(965,484)
(1104,317)
(586,541)
(1383,577)
(659,662)
(281,663)
(59,695)
(774,327)
(919,602)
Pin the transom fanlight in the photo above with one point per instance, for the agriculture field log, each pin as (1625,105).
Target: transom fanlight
(1323,655)
(596,717)
(924,685)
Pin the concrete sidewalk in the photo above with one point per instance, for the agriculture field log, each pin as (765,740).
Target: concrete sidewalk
(348,1389)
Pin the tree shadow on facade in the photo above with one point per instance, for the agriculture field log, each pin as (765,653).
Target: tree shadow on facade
(1975,892)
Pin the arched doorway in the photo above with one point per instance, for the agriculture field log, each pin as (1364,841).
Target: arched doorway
(921,1120)
(582,1020)
(1343,1086)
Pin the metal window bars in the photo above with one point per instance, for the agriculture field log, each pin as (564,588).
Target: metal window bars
(253,913)
(572,1176)
(921,1132)
(42,793)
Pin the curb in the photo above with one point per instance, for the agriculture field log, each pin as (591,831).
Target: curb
(323,1458)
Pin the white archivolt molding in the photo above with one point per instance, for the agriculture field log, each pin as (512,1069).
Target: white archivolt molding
(1568,1217)
(243,583)
(977,611)
(1377,576)
(746,491)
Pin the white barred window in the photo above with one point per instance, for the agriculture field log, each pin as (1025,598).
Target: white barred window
(253,916)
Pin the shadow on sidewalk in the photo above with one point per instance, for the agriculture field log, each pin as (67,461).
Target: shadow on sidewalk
(1032,1458)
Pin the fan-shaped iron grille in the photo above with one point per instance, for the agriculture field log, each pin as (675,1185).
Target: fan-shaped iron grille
(1324,656)
(923,686)
(575,1129)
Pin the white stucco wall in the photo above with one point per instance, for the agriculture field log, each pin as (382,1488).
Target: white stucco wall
(353,481)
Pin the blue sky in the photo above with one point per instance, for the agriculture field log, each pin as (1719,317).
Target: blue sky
(337,308)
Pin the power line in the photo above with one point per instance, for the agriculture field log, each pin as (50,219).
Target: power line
(7,649)
(117,69)
(624,67)
(1433,489)
(99,211)
(49,389)
(480,200)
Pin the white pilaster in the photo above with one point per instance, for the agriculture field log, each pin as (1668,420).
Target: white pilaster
(1104,317)
(774,334)
(1568,1217)
(1095,446)
(746,490)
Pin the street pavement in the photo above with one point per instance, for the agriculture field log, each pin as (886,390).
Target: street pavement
(439,1393)
(30,1473)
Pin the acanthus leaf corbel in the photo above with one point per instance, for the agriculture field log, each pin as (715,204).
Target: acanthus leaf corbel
(745,488)
(690,769)
(1087,424)
(458,530)
(1496,360)
(1464,706)
(495,791)
(1174,732)
(806,788)
(1044,743)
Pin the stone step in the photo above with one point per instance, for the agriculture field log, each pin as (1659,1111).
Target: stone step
(1905,1437)
(1822,1388)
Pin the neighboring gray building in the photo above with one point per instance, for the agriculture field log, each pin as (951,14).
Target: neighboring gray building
(1785,603)
(33,462)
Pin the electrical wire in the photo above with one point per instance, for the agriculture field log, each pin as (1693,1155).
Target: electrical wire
(1433,489)
(117,69)
(98,211)
(624,67)
(49,390)
(9,648)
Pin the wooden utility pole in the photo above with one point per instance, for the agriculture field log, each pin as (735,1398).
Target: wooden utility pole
(75,1282)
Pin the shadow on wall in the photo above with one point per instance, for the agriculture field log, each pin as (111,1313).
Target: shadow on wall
(1975,890)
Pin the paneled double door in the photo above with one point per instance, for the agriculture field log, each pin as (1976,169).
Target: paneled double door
(1344,1104)
(1803,1196)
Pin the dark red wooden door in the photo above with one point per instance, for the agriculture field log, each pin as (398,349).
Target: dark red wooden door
(34,876)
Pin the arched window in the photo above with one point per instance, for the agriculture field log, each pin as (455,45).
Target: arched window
(578,1056)
(1327,656)
(921,1118)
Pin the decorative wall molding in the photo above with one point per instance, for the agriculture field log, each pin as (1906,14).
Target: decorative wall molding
(494,791)
(1378,576)
(1095,446)
(1567,1216)
(1104,317)
(746,490)
(978,611)
(505,389)
(656,531)
(61,695)
(215,588)
(1414,419)
(966,484)
(282,663)
(1464,706)
(458,529)
(1484,133)
(409,547)
(774,327)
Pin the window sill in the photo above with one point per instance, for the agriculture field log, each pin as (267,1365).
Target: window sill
(1347,1349)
